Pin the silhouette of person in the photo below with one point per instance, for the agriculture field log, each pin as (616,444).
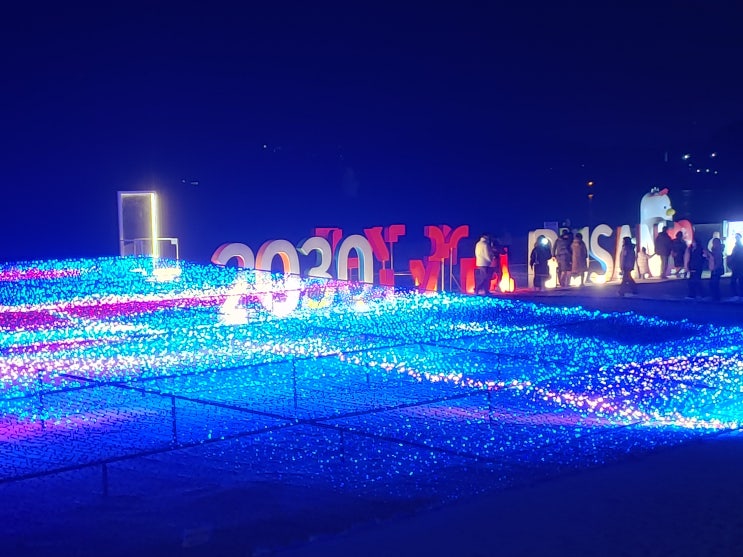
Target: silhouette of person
(539,261)
(735,263)
(580,258)
(663,249)
(627,265)
(564,257)
(495,265)
(716,268)
(678,251)
(696,261)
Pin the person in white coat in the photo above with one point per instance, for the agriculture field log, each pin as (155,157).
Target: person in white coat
(483,259)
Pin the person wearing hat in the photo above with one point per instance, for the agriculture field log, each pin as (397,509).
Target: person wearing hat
(539,258)
(483,259)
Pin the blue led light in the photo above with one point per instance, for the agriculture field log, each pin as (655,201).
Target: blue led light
(350,385)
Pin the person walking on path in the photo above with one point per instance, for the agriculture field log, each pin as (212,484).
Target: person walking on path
(735,263)
(627,265)
(716,268)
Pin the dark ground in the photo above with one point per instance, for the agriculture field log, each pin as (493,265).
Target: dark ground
(684,501)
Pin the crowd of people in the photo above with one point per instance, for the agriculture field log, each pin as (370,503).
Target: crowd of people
(677,260)
(569,252)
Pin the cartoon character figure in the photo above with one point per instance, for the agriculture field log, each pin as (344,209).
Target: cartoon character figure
(655,211)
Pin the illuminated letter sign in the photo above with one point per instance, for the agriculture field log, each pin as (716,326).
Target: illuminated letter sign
(285,250)
(364,250)
(379,238)
(241,252)
(444,243)
(324,259)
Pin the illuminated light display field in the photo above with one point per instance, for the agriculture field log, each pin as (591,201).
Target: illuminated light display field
(357,387)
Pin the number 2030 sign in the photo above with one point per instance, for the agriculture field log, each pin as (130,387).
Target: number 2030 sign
(336,256)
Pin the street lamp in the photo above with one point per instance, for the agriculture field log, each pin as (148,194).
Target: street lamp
(589,184)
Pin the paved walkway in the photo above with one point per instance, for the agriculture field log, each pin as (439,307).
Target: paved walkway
(683,502)
(662,298)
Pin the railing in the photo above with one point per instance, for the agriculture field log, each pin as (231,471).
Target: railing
(166,247)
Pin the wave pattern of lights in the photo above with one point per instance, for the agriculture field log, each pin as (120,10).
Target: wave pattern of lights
(357,387)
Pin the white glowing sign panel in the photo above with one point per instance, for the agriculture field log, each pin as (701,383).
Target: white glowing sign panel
(139,223)
(730,229)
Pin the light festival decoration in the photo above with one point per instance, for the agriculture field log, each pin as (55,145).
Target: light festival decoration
(98,362)
(358,254)
(139,223)
(729,231)
(655,213)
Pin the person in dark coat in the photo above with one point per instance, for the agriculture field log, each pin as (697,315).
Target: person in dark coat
(663,249)
(678,252)
(564,256)
(716,268)
(539,261)
(696,262)
(496,250)
(735,263)
(580,258)
(627,265)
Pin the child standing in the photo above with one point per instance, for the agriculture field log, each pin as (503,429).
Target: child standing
(643,264)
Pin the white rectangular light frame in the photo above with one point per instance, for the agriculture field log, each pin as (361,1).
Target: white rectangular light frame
(154,224)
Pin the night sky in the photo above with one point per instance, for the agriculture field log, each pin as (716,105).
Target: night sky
(262,120)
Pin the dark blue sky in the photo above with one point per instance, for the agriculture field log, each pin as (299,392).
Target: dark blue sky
(296,114)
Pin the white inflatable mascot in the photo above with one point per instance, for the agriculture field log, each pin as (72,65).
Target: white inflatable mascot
(655,213)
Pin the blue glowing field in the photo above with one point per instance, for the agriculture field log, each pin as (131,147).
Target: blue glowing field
(205,371)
